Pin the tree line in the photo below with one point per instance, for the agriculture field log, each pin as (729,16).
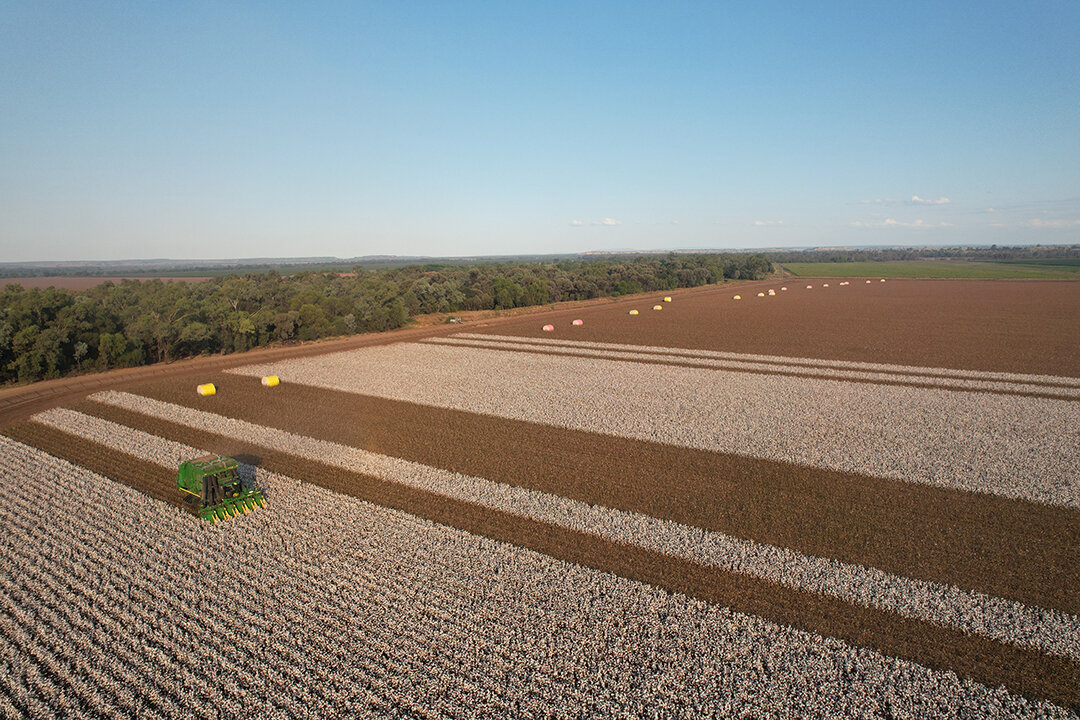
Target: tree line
(990,252)
(54,332)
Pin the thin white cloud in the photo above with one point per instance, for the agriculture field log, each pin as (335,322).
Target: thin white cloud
(1040,223)
(607,221)
(674,222)
(894,223)
(915,200)
(576,223)
(768,223)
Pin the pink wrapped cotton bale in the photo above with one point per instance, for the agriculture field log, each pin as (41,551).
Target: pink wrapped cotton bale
(825,285)
(578,322)
(783,289)
(867,282)
(549,328)
(809,287)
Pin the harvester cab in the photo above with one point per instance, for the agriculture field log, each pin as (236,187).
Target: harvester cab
(214,481)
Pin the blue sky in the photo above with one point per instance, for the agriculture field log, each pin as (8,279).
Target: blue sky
(206,130)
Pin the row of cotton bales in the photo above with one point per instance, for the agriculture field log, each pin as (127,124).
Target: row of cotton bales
(772,292)
(551,328)
(578,323)
(206,389)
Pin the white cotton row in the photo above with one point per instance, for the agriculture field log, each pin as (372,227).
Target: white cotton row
(916,370)
(794,369)
(321,606)
(1013,446)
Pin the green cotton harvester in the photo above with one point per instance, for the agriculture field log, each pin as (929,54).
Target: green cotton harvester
(213,479)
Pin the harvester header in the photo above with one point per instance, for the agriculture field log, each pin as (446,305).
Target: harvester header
(214,481)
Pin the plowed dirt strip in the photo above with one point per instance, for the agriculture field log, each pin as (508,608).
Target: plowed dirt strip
(1019,447)
(925,643)
(1007,326)
(154,480)
(361,611)
(958,385)
(997,546)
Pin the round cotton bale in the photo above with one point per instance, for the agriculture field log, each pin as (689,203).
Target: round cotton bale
(867,282)
(633,312)
(667,298)
(206,389)
(772,292)
(761,294)
(657,307)
(578,322)
(271,381)
(738,297)
(809,287)
(549,328)
(783,289)
(882,279)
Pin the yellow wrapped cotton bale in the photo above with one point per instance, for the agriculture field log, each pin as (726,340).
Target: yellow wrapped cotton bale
(206,389)
(633,312)
(667,299)
(738,297)
(657,307)
(271,381)
(761,294)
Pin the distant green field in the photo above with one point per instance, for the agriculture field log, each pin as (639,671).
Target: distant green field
(1040,268)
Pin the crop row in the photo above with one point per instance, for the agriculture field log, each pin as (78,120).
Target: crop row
(319,605)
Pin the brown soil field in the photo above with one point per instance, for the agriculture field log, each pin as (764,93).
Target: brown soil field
(995,325)
(977,542)
(1022,670)
(82,282)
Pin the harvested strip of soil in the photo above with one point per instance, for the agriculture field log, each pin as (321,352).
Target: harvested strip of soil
(1002,547)
(658,360)
(1025,671)
(153,480)
(1008,326)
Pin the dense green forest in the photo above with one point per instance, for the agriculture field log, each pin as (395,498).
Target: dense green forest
(50,333)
